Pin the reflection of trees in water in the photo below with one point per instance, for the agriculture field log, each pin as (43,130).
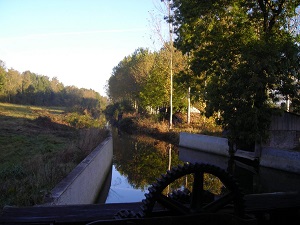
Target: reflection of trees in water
(142,159)
(211,183)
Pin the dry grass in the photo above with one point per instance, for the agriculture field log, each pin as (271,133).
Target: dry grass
(153,126)
(199,124)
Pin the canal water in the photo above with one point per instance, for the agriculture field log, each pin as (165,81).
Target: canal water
(139,160)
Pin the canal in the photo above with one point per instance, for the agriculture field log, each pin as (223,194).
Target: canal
(139,160)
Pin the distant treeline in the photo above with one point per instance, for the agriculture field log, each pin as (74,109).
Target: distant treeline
(33,89)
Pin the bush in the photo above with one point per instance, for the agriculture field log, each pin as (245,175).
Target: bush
(127,125)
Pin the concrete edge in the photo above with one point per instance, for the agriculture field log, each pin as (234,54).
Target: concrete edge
(206,143)
(65,184)
(280,159)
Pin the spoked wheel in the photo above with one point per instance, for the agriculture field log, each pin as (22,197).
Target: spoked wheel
(195,197)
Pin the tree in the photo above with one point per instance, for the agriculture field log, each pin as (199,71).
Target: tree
(120,82)
(246,57)
(141,62)
(130,75)
(13,83)
(2,76)
(156,91)
(31,88)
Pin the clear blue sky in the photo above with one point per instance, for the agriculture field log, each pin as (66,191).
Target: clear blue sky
(77,41)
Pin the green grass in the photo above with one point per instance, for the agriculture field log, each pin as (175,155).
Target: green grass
(22,136)
(38,148)
(27,112)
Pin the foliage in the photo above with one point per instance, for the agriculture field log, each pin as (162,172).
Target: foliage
(112,111)
(127,125)
(2,76)
(245,57)
(156,91)
(143,79)
(33,89)
(129,75)
(81,121)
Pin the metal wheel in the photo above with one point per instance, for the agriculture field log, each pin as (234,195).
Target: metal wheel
(183,201)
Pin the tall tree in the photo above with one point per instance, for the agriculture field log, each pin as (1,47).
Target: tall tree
(13,84)
(143,77)
(2,76)
(246,55)
(120,82)
(129,76)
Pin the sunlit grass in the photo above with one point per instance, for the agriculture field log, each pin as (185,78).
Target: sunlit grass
(27,112)
(37,149)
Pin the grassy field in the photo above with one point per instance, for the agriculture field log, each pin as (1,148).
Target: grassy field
(38,148)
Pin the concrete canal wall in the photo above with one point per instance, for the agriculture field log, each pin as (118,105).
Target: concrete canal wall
(210,144)
(195,156)
(83,184)
(281,159)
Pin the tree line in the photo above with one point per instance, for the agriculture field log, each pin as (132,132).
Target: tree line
(33,89)
(237,59)
(143,79)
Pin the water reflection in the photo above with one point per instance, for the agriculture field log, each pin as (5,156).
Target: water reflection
(121,191)
(252,180)
(104,190)
(142,159)
(139,160)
